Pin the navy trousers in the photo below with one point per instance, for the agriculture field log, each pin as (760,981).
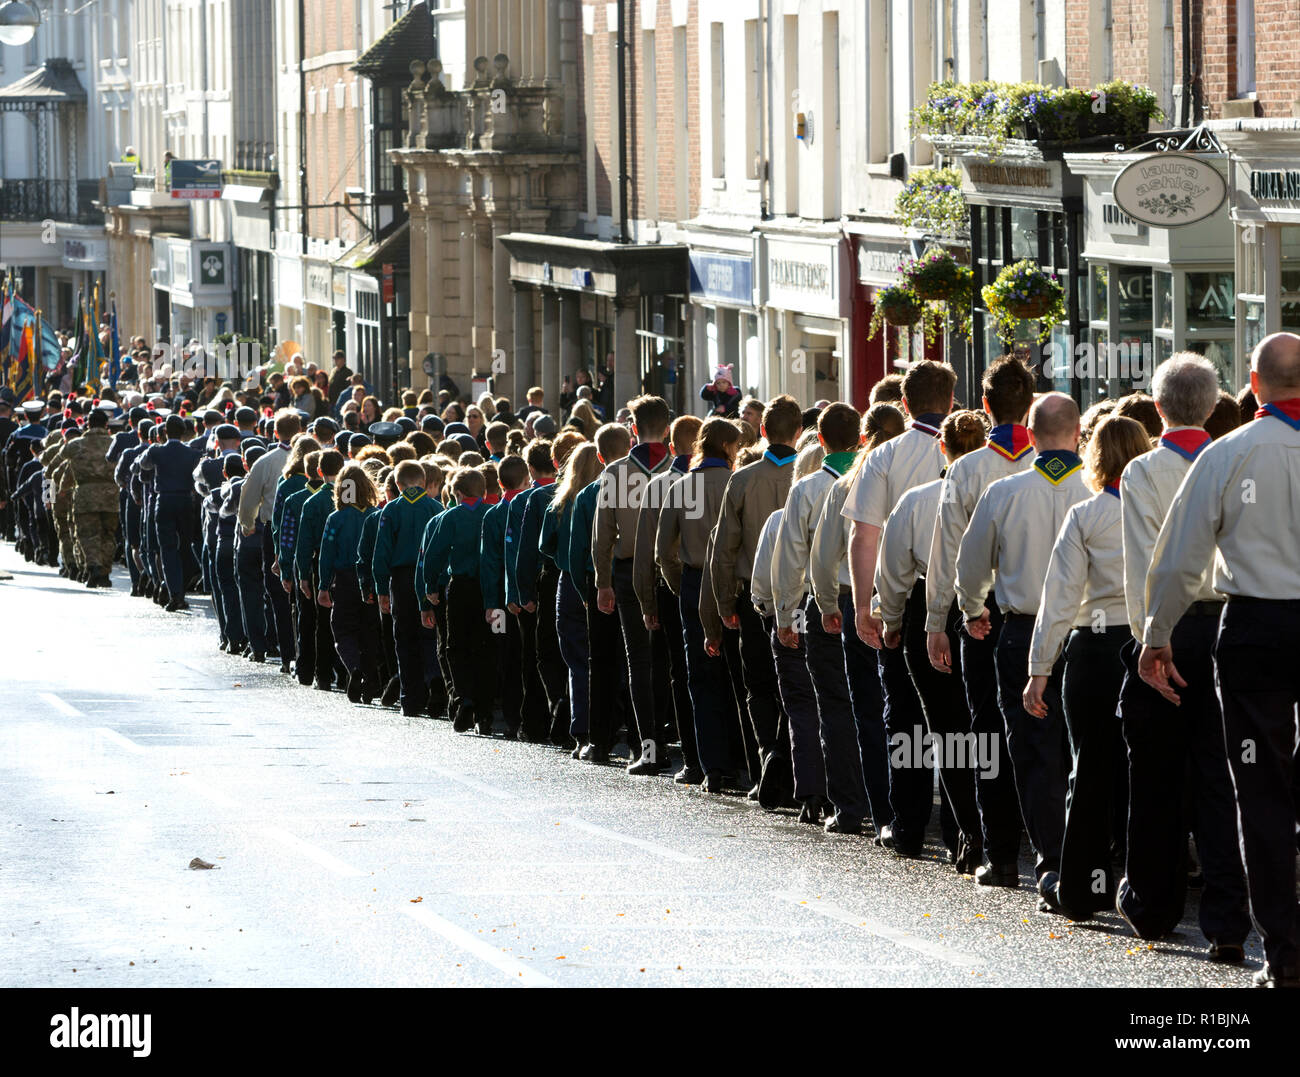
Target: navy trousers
(836,727)
(175,515)
(252,600)
(867,694)
(706,681)
(799,702)
(571,629)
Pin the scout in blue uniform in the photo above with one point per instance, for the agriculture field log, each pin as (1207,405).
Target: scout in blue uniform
(338,589)
(389,687)
(303,606)
(536,713)
(512,478)
(251,593)
(606,663)
(397,548)
(306,557)
(225,500)
(449,557)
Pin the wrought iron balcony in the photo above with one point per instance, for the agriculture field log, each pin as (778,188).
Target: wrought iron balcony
(50,200)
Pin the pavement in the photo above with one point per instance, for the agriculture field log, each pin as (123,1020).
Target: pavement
(353,847)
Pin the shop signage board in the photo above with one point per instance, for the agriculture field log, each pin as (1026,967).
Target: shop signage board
(1170,190)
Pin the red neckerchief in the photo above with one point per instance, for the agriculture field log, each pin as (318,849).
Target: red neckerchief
(543,482)
(470,502)
(510,495)
(492,499)
(1187,442)
(1286,410)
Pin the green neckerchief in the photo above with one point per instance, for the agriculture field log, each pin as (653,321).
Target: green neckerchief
(840,462)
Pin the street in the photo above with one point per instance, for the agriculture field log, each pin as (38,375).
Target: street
(353,847)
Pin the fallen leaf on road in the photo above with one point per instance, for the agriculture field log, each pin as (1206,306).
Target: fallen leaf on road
(416,901)
(200,865)
(356,824)
(237,685)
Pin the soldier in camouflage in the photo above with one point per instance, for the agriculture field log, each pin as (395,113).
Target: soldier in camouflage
(58,495)
(94,499)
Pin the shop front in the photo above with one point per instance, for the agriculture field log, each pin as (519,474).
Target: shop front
(1265,193)
(1153,289)
(192,289)
(805,291)
(878,253)
(726,322)
(612,309)
(1023,205)
(323,330)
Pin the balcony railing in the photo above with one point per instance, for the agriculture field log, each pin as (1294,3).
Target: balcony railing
(50,200)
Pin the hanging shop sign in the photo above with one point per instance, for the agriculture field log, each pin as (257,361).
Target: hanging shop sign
(1170,190)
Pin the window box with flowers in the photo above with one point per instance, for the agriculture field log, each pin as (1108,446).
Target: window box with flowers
(931,201)
(997,112)
(1023,292)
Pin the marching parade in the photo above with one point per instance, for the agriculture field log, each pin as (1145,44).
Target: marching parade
(1070,625)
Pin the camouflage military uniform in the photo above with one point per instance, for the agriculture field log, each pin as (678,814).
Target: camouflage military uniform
(60,500)
(94,503)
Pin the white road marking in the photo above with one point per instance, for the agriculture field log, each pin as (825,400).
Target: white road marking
(121,741)
(517,970)
(627,839)
(477,786)
(892,934)
(60,705)
(324,859)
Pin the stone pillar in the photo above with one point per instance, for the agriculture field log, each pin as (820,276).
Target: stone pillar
(570,335)
(525,363)
(627,360)
(421,283)
(551,349)
(480,356)
(552,33)
(502,322)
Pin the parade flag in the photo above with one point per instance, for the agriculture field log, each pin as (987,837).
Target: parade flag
(115,348)
(26,355)
(80,345)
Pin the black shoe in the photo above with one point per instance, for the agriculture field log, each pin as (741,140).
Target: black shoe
(594,753)
(464,719)
(886,837)
(811,810)
(1049,892)
(392,693)
(713,782)
(648,763)
(512,733)
(176,605)
(484,729)
(354,687)
(689,776)
(272,651)
(577,752)
(1227,953)
(257,657)
(1269,976)
(410,712)
(285,666)
(136,592)
(223,645)
(238,649)
(998,875)
(842,824)
(907,850)
(752,794)
(777,782)
(324,686)
(970,856)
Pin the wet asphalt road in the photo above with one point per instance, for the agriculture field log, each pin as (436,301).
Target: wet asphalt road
(355,847)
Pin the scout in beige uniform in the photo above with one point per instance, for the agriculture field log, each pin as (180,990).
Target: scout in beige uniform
(753,494)
(905,545)
(1185,742)
(797,620)
(613,544)
(1007,547)
(849,703)
(909,460)
(1083,597)
(1239,502)
(682,539)
(658,603)
(1008,391)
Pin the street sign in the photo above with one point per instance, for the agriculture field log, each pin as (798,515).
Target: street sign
(389,291)
(196,179)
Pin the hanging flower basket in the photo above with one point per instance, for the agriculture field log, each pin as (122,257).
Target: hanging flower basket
(899,305)
(1023,292)
(937,275)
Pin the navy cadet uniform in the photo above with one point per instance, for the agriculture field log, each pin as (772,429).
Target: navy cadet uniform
(122,441)
(372,618)
(397,549)
(173,467)
(208,477)
(607,666)
(1237,504)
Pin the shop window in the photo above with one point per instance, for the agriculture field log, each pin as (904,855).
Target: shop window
(1245,48)
(1163,287)
(717,102)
